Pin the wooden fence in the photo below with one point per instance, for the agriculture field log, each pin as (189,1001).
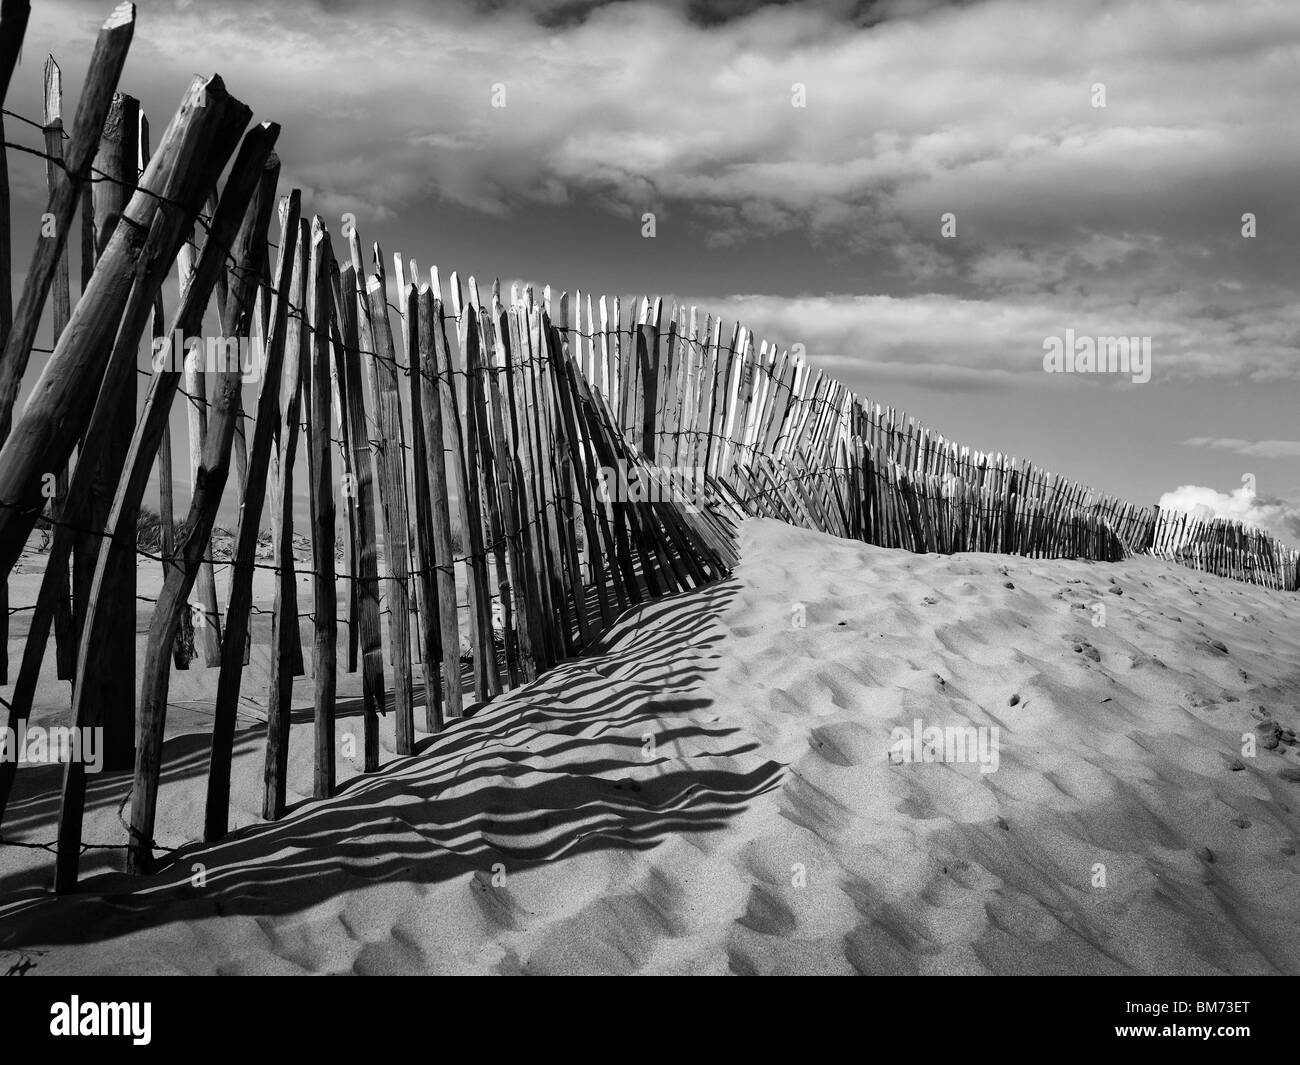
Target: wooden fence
(1226,548)
(588,455)
(403,411)
(801,447)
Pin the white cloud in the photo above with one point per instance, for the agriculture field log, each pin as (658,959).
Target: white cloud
(1109,221)
(1263,449)
(969,342)
(1001,128)
(1275,516)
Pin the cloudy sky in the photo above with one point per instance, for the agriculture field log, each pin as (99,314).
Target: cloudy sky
(823,224)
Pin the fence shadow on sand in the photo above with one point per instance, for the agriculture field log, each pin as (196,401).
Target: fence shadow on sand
(550,770)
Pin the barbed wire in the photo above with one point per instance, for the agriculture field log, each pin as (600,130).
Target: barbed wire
(32,122)
(490,547)
(52,845)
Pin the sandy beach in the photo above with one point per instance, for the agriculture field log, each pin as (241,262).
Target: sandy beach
(719,790)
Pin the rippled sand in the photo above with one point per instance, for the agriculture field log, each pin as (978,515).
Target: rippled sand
(715,792)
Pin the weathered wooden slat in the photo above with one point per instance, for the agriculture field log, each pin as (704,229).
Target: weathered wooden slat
(65,635)
(595,359)
(602,489)
(570,322)
(377,338)
(361,496)
(429,641)
(731,373)
(216,817)
(688,394)
(478,606)
(193,152)
(666,391)
(207,619)
(487,681)
(628,412)
(496,488)
(555,603)
(718,367)
(6,322)
(441,552)
(53,270)
(106,62)
(284,620)
(571,561)
(166,503)
(476,412)
(120,532)
(347,568)
(405,383)
(549,512)
(195,534)
(596,535)
(503,436)
(321,484)
(648,358)
(602,377)
(615,452)
(537,582)
(562,481)
(295,663)
(117,160)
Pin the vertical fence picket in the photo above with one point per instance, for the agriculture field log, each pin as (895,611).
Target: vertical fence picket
(321,499)
(377,340)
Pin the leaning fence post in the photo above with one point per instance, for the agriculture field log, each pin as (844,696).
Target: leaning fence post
(65,637)
(195,534)
(106,64)
(209,620)
(147,434)
(116,160)
(216,817)
(193,152)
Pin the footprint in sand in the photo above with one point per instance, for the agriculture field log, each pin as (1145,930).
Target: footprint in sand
(1083,647)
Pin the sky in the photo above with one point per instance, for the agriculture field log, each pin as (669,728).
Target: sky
(921,194)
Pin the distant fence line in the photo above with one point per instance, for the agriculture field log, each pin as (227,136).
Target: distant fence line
(1226,548)
(598,453)
(800,446)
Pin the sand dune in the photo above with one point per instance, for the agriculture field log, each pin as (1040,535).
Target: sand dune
(719,790)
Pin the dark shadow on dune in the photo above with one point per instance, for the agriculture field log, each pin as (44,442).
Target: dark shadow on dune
(534,776)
